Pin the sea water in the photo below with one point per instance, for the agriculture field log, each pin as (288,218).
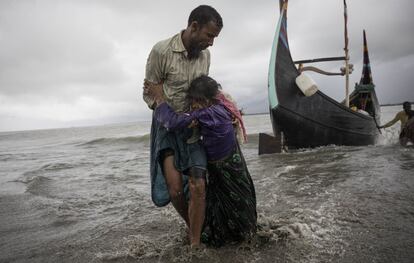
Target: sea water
(83,195)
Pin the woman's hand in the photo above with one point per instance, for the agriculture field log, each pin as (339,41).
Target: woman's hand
(193,124)
(235,121)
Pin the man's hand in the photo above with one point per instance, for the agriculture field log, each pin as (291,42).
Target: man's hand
(154,90)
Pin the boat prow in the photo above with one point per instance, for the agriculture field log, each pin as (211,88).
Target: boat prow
(316,120)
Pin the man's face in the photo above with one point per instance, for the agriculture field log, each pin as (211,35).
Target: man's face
(202,37)
(407,107)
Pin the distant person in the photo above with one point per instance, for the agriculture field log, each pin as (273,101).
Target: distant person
(403,116)
(231,200)
(407,133)
(172,65)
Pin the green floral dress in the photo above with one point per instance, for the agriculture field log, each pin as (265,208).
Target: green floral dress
(231,202)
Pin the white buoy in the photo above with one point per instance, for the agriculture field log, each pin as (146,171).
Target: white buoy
(306,84)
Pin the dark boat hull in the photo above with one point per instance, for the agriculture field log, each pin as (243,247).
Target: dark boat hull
(301,131)
(316,120)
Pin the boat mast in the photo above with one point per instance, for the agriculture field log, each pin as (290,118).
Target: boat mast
(346,57)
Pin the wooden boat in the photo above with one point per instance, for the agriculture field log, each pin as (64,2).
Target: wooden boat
(301,121)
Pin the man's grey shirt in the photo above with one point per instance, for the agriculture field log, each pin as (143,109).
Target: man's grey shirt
(168,62)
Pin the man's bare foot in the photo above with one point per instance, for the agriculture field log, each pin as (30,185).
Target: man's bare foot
(197,246)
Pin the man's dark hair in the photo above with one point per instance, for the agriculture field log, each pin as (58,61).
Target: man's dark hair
(204,14)
(407,109)
(406,104)
(203,88)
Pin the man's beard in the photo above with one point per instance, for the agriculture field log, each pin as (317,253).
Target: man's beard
(194,51)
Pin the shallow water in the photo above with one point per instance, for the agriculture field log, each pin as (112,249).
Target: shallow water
(82,195)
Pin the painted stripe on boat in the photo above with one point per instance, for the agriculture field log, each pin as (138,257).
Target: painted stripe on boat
(273,102)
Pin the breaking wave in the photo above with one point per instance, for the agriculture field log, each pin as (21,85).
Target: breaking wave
(117,141)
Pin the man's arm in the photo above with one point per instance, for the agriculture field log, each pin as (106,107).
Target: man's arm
(393,121)
(153,73)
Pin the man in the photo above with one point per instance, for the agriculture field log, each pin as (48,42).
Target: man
(407,132)
(173,64)
(402,116)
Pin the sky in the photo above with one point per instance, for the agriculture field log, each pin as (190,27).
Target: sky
(80,63)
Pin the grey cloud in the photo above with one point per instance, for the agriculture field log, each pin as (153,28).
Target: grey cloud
(47,52)
(69,53)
